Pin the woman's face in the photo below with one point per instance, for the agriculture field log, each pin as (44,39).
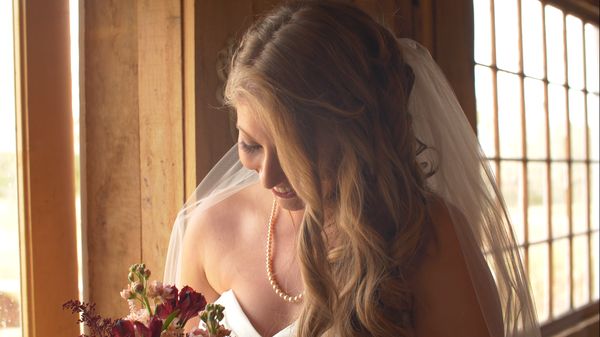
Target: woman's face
(257,152)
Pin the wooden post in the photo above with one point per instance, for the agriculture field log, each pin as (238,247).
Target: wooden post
(45,168)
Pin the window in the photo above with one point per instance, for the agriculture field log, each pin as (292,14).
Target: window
(10,299)
(536,79)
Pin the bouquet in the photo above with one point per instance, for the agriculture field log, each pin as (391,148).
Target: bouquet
(155,310)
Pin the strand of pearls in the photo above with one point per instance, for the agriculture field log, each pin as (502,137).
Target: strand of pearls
(269,259)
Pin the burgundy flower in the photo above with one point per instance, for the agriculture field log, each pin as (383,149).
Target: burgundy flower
(153,330)
(163,310)
(190,303)
(123,328)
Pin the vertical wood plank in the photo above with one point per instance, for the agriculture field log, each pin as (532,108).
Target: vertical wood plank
(261,7)
(424,24)
(395,15)
(45,167)
(403,19)
(112,148)
(454,50)
(161,125)
(189,95)
(216,22)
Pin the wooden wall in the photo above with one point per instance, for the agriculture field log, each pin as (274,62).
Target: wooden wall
(133,149)
(153,125)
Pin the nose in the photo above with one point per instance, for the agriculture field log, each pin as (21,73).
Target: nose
(271,173)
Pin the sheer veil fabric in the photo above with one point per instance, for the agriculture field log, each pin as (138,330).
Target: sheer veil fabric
(463,179)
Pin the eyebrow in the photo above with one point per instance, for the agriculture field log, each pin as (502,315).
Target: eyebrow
(237,126)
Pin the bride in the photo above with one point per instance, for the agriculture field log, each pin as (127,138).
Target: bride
(356,201)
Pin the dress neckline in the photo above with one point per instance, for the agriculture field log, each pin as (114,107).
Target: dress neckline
(237,321)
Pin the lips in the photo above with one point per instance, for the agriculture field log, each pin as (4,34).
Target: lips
(283,192)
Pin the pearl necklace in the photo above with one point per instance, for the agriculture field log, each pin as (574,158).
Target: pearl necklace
(269,259)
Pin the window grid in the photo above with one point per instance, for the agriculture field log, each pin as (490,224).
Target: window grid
(550,159)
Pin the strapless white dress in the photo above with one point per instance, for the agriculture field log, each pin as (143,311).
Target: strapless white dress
(236,320)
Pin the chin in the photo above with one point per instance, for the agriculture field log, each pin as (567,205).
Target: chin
(291,204)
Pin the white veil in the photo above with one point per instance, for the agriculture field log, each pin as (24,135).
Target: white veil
(463,179)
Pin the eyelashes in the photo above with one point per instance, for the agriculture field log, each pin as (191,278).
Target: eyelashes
(248,148)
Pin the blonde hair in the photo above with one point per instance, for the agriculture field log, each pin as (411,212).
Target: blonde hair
(319,72)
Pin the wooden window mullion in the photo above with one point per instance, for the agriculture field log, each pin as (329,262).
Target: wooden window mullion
(495,93)
(548,168)
(524,168)
(588,167)
(569,168)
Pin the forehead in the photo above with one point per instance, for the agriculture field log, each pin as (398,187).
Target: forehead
(249,122)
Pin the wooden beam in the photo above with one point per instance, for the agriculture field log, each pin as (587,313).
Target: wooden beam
(160,95)
(45,167)
(112,150)
(454,48)
(217,23)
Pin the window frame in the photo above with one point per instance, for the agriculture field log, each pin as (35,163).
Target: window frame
(575,318)
(45,169)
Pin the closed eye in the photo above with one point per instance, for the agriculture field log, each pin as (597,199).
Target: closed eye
(248,148)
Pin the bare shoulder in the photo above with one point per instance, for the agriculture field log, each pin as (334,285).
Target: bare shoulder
(222,220)
(446,300)
(210,236)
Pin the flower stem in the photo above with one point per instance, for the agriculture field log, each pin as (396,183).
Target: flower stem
(147,304)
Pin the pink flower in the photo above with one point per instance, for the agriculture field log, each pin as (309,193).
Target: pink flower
(127,293)
(169,293)
(155,289)
(222,332)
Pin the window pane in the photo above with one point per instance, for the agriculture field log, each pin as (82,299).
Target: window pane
(483,31)
(595,266)
(561,274)
(581,288)
(579,197)
(533,39)
(512,189)
(558,121)
(592,109)
(509,115)
(575,51)
(577,124)
(9,249)
(507,35)
(594,192)
(538,277)
(560,191)
(555,48)
(535,114)
(591,55)
(537,215)
(484,91)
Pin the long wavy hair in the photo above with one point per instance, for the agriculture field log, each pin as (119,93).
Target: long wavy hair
(331,86)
